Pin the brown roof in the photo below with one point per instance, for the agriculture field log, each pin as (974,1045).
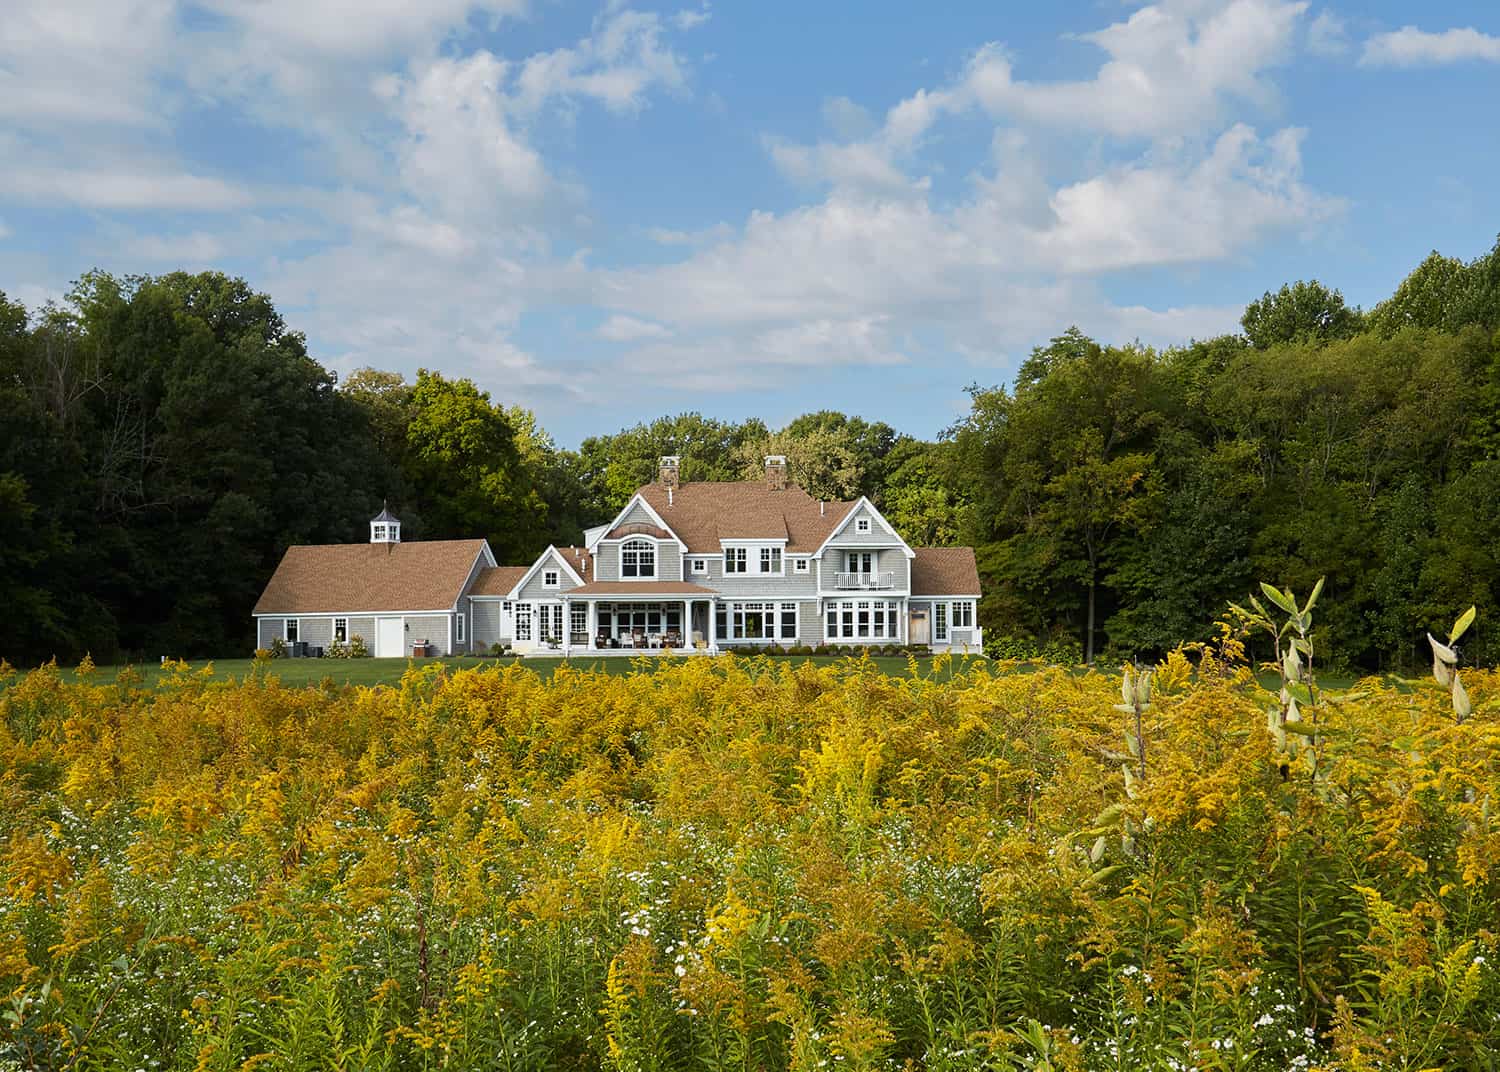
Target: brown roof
(497,580)
(368,577)
(640,588)
(635,528)
(703,513)
(944,571)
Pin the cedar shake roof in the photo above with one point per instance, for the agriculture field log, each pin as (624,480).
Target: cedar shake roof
(704,512)
(944,571)
(497,580)
(358,578)
(641,588)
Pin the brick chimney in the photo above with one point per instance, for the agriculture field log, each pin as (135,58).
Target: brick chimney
(671,465)
(776,471)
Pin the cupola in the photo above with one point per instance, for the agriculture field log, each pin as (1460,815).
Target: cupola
(385,527)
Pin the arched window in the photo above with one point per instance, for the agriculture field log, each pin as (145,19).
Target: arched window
(638,558)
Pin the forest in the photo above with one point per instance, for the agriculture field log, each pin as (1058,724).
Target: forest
(163,439)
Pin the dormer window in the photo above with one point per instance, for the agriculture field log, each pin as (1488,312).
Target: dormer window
(638,559)
(862,525)
(385,527)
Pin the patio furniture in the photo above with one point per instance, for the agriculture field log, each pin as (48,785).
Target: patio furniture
(671,639)
(602,640)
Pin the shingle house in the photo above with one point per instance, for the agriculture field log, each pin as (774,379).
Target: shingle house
(697,566)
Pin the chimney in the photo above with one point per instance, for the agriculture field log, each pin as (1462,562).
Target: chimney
(822,508)
(776,471)
(671,464)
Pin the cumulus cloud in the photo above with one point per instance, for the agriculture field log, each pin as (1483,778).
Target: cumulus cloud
(1411,47)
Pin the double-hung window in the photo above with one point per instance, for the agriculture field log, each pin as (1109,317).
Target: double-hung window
(291,630)
(341,630)
(788,621)
(736,560)
(638,559)
(770,560)
(963,615)
(459,626)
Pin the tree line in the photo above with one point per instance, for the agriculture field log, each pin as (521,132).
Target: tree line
(163,439)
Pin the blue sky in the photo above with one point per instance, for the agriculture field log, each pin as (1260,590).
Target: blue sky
(611,212)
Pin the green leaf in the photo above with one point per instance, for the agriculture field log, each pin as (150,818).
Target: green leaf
(1304,728)
(1313,599)
(1461,626)
(1133,745)
(1280,598)
(1300,692)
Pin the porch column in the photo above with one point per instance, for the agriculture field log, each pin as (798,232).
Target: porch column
(685,638)
(567,625)
(593,625)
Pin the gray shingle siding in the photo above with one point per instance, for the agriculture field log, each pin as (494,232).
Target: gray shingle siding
(430,627)
(484,623)
(534,589)
(809,624)
(267,630)
(364,628)
(668,563)
(753,585)
(850,536)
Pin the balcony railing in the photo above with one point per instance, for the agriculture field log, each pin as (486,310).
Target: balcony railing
(865,581)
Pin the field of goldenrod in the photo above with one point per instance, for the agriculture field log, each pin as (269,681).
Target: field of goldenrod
(754,867)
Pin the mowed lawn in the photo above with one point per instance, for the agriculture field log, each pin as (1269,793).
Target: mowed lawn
(389,671)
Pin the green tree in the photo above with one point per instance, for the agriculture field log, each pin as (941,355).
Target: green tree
(1299,311)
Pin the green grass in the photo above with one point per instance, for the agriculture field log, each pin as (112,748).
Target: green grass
(389,671)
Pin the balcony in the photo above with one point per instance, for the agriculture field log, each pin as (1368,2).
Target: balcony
(864,582)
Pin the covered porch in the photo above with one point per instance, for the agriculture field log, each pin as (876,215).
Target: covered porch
(626,618)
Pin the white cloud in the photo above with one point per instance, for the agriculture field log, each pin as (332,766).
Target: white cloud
(1328,36)
(617,64)
(4,230)
(629,329)
(1411,47)
(666,236)
(126,188)
(85,62)
(354,28)
(181,250)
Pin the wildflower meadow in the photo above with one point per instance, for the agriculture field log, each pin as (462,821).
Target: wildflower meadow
(749,864)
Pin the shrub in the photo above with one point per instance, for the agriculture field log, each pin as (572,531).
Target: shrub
(716,865)
(357,648)
(278,648)
(337,649)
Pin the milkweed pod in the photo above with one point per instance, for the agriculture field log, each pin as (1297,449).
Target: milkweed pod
(1097,852)
(1143,689)
(1292,713)
(1461,705)
(1442,652)
(1291,665)
(1130,790)
(1127,686)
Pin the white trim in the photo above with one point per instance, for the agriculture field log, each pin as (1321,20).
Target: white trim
(639,498)
(353,613)
(751,541)
(853,512)
(525,577)
(655,558)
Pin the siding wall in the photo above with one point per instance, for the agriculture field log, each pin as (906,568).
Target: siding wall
(849,537)
(484,623)
(809,624)
(267,630)
(668,562)
(432,627)
(754,585)
(534,589)
(364,628)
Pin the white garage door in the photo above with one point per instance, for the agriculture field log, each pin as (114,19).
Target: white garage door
(390,638)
